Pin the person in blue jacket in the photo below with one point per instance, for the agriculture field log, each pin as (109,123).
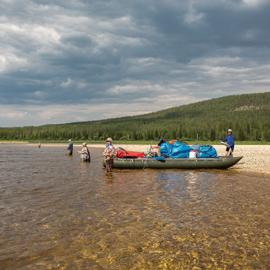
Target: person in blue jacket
(229,142)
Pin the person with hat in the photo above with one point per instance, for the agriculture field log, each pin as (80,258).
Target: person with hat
(70,147)
(109,153)
(229,142)
(85,153)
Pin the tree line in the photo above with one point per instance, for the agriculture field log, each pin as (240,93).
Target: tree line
(247,115)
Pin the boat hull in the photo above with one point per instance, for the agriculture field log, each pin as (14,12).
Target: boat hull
(180,163)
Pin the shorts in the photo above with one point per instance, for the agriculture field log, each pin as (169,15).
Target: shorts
(230,147)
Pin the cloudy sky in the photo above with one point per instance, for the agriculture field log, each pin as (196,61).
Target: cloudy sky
(75,60)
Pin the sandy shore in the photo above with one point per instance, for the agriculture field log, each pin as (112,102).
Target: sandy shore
(256,157)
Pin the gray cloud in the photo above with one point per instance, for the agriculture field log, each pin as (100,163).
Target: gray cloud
(150,54)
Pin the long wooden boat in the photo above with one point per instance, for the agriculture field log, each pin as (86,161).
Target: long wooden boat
(179,163)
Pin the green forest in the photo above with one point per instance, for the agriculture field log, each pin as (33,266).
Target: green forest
(248,115)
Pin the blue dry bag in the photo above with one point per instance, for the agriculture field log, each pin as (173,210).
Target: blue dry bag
(205,151)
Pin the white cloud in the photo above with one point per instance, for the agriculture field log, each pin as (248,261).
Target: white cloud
(193,16)
(39,94)
(37,115)
(66,83)
(103,54)
(138,87)
(255,3)
(10,61)
(30,32)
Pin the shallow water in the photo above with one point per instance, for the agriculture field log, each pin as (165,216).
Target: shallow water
(59,213)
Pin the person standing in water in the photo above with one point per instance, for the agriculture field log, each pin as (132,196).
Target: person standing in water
(70,147)
(108,154)
(229,142)
(85,153)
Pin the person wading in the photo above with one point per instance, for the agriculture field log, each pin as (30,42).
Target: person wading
(108,154)
(229,142)
(70,147)
(85,153)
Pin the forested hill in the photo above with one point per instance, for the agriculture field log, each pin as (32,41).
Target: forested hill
(248,115)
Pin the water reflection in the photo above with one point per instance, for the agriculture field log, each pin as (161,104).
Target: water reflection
(192,179)
(59,213)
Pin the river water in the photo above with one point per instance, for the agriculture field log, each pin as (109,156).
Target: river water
(59,213)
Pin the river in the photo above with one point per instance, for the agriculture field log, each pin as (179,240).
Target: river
(59,213)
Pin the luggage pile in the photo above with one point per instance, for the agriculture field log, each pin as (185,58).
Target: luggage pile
(174,150)
(205,151)
(182,150)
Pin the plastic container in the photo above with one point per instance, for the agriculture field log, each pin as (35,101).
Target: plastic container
(192,154)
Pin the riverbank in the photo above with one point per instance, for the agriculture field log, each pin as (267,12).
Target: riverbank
(123,142)
(256,157)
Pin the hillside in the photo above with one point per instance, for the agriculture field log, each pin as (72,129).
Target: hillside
(248,115)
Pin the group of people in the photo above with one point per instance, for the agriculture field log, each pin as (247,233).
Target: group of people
(85,152)
(108,153)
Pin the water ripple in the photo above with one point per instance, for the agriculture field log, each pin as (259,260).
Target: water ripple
(59,213)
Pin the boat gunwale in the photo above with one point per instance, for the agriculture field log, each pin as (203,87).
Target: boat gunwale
(183,163)
(219,158)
